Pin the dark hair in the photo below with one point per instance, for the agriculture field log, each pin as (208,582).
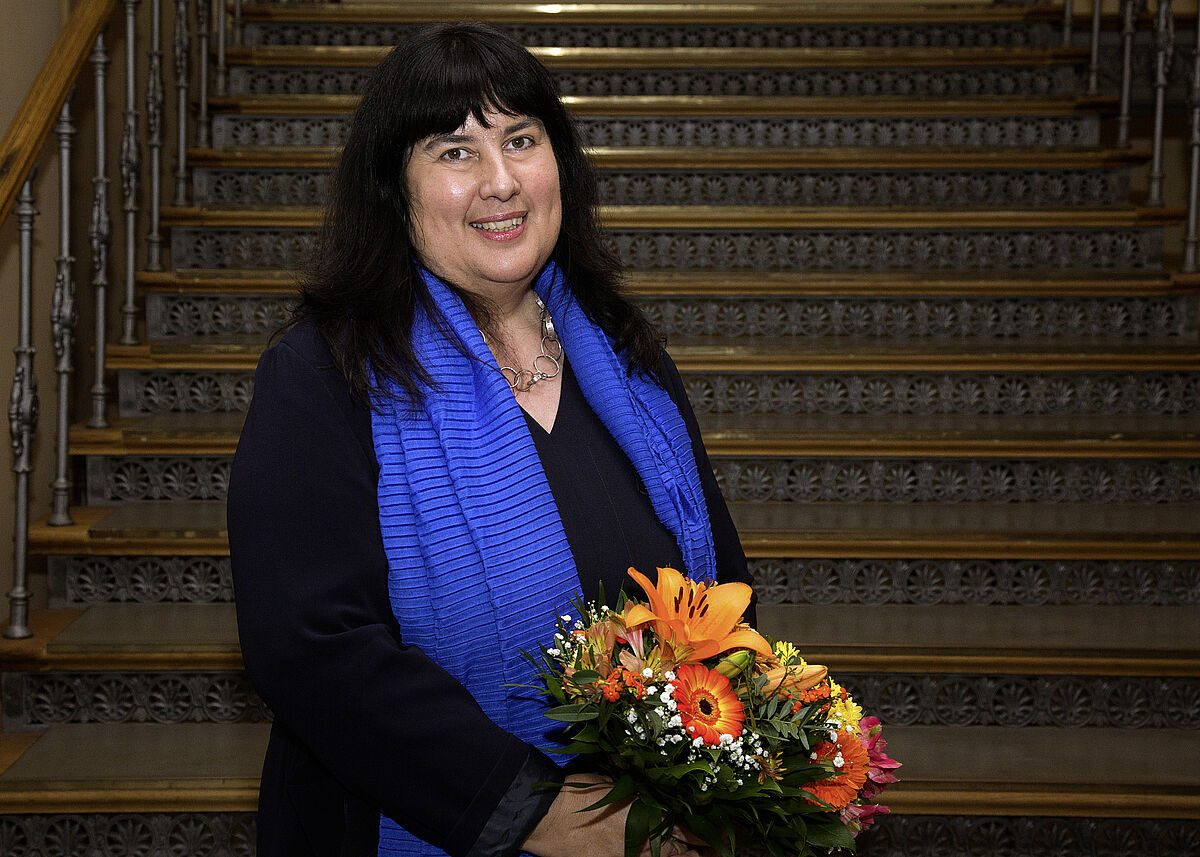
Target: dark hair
(362,288)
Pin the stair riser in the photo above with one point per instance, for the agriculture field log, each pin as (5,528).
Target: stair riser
(816,131)
(823,250)
(1114,319)
(628,35)
(1015,582)
(233,835)
(76,581)
(129,834)
(121,479)
(900,82)
(1015,393)
(34,701)
(1045,188)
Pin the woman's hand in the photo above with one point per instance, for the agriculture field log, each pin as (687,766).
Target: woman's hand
(567,832)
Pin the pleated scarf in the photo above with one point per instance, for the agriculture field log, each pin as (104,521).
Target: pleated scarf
(479,565)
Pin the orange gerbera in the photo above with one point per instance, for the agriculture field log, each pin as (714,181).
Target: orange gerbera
(707,704)
(697,620)
(840,790)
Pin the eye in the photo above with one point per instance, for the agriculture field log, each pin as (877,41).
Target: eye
(456,154)
(522,142)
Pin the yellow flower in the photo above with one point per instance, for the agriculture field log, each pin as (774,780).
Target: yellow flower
(844,709)
(697,620)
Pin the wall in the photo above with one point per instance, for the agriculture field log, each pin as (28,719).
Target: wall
(30,27)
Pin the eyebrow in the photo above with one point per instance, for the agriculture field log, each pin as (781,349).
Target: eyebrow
(455,139)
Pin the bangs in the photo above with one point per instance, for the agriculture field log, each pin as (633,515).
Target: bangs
(463,73)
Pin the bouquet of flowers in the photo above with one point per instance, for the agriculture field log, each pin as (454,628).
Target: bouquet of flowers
(706,724)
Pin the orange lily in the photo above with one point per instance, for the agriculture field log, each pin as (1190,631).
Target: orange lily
(698,620)
(794,677)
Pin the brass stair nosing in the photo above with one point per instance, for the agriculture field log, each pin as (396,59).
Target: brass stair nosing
(973,798)
(734,12)
(181,796)
(739,157)
(703,105)
(720,359)
(99,661)
(751,217)
(369,56)
(817,445)
(865,545)
(749,284)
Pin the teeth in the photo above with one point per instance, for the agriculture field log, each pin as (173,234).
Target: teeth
(500,225)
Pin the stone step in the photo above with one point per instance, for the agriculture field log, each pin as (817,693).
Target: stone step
(1143,318)
(1067,531)
(1155,640)
(137,768)
(824,435)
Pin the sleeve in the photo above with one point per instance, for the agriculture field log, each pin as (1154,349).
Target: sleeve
(731,559)
(320,642)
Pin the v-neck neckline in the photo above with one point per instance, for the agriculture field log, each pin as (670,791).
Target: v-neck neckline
(532,421)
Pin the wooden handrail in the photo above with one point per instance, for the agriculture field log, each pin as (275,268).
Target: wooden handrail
(39,109)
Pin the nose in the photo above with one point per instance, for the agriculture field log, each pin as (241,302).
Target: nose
(497,180)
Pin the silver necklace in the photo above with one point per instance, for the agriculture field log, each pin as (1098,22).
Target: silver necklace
(520,380)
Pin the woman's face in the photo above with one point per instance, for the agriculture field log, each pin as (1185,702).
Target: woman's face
(485,203)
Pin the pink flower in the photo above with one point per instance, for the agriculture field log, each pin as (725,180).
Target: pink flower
(879,772)
(858,817)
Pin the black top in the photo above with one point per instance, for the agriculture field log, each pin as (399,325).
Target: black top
(604,507)
(365,724)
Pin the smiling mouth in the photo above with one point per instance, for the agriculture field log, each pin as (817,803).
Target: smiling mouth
(506,225)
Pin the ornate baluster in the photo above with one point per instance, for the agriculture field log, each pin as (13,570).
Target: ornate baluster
(1068,14)
(100,234)
(181,45)
(22,418)
(154,110)
(203,28)
(131,164)
(1093,87)
(222,71)
(62,322)
(237,22)
(1164,46)
(1192,241)
(1129,13)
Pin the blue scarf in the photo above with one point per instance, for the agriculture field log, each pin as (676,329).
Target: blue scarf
(479,565)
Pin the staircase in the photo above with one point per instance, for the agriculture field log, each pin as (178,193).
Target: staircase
(949,384)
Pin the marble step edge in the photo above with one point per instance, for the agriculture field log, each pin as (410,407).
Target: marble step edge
(704,355)
(733,12)
(908,639)
(368,56)
(218,435)
(754,284)
(1035,771)
(735,157)
(715,105)
(198,529)
(751,216)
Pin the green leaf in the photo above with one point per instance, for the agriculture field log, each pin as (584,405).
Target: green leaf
(830,833)
(638,824)
(585,676)
(622,788)
(573,713)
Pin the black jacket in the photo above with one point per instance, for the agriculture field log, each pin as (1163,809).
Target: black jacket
(364,724)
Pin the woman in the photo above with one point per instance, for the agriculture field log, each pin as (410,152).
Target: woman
(466,428)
